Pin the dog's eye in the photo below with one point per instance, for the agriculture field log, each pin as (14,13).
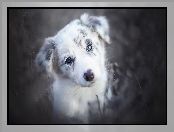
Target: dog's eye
(89,48)
(88,45)
(69,61)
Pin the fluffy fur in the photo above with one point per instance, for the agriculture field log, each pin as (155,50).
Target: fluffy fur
(66,57)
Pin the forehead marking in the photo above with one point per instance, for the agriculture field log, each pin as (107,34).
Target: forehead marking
(78,41)
(83,32)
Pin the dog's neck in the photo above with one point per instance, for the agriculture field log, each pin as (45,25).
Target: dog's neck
(75,99)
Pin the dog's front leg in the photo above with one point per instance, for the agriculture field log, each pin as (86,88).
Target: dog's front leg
(100,102)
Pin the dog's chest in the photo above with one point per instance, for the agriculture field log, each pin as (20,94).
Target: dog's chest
(72,100)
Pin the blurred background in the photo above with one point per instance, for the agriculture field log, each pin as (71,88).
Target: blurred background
(138,46)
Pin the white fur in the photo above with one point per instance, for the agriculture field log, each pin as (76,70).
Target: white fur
(71,92)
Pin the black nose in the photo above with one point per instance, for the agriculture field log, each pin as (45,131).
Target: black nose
(89,75)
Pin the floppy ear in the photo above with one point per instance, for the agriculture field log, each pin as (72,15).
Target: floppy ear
(98,24)
(45,56)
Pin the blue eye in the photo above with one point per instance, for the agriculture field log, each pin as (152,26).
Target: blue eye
(89,48)
(88,45)
(69,60)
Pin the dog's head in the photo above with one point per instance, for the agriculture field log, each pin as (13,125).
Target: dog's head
(77,51)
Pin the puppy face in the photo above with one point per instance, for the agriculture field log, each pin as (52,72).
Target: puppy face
(77,51)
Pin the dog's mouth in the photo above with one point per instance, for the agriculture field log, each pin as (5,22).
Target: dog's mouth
(88,85)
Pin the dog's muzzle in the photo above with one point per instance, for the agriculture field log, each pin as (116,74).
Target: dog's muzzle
(89,75)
